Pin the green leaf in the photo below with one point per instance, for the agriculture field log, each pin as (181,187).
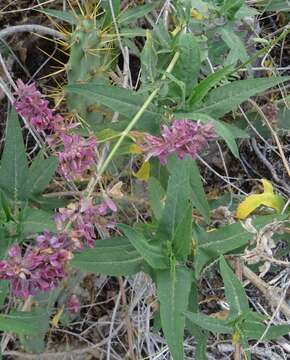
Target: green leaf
(177,200)
(275,5)
(226,98)
(238,51)
(149,60)
(4,289)
(183,235)
(134,13)
(14,168)
(234,291)
(5,242)
(209,323)
(114,257)
(41,173)
(66,16)
(211,245)
(173,289)
(152,253)
(195,330)
(36,221)
(188,65)
(156,197)
(202,89)
(197,192)
(108,18)
(24,323)
(124,101)
(231,7)
(255,330)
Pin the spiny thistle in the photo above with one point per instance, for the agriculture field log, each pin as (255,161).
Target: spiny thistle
(183,137)
(91,56)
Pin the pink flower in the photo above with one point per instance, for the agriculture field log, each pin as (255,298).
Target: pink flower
(183,137)
(73,304)
(83,217)
(77,157)
(31,105)
(40,268)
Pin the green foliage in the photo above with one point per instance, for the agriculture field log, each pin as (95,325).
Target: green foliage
(226,98)
(124,101)
(211,245)
(173,287)
(242,323)
(152,253)
(24,323)
(201,84)
(234,292)
(14,167)
(18,181)
(116,257)
(188,65)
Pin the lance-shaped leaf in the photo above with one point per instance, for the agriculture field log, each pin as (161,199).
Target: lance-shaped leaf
(153,254)
(156,197)
(66,16)
(226,98)
(267,198)
(114,257)
(14,167)
(255,330)
(197,194)
(202,89)
(211,245)
(134,13)
(234,291)
(209,323)
(36,221)
(173,287)
(41,172)
(187,67)
(24,323)
(124,101)
(177,203)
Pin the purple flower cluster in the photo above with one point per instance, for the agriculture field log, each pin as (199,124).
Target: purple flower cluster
(31,105)
(83,217)
(39,268)
(77,156)
(73,304)
(182,137)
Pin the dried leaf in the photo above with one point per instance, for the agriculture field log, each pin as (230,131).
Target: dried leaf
(144,172)
(55,320)
(267,198)
(135,149)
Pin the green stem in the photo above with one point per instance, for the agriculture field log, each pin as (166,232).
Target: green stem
(130,126)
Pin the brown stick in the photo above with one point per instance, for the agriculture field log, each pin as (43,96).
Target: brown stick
(127,321)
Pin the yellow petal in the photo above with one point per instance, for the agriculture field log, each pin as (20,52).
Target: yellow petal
(144,172)
(57,316)
(236,337)
(196,15)
(267,198)
(135,149)
(267,186)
